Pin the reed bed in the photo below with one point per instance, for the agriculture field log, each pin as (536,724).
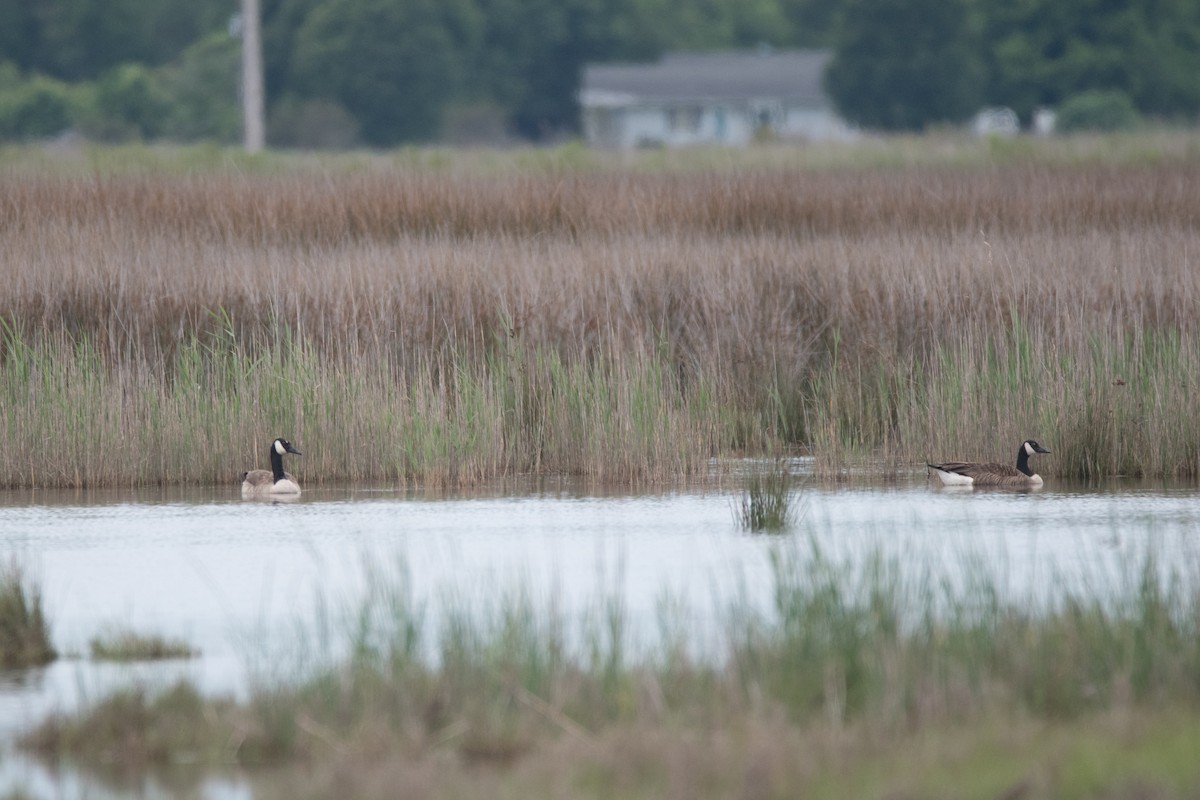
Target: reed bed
(414,323)
(856,669)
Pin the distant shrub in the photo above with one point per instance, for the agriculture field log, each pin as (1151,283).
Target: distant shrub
(473,124)
(1097,110)
(35,108)
(312,125)
(128,102)
(10,76)
(203,85)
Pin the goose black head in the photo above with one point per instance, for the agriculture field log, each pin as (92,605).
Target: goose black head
(282,446)
(1032,447)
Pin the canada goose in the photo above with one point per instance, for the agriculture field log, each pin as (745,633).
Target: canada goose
(265,483)
(958,473)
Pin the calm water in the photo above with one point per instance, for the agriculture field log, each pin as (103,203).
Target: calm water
(238,579)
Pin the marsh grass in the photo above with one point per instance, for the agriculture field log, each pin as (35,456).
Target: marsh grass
(132,729)
(769,502)
(24,629)
(519,411)
(1146,147)
(853,665)
(1101,411)
(428,318)
(128,645)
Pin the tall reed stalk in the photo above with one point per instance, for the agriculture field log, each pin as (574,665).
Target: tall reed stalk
(768,502)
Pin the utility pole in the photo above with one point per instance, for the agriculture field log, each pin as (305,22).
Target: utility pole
(253,126)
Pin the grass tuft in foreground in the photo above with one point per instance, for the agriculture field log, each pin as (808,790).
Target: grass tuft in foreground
(127,645)
(24,632)
(132,729)
(768,503)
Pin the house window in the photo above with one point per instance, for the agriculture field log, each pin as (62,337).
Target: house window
(684,119)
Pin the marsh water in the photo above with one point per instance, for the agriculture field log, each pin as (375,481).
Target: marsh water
(244,582)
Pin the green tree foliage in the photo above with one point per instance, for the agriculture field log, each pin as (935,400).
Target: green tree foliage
(906,64)
(311,125)
(18,33)
(344,72)
(1097,110)
(721,24)
(128,102)
(281,22)
(203,86)
(10,76)
(811,23)
(533,51)
(526,60)
(80,39)
(35,109)
(392,65)
(1043,51)
(531,58)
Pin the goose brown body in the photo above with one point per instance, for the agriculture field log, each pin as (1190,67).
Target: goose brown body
(262,478)
(966,473)
(275,481)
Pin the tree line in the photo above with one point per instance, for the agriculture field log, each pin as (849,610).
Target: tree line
(384,72)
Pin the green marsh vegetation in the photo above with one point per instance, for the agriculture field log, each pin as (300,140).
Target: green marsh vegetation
(861,678)
(24,629)
(769,502)
(128,645)
(421,317)
(25,639)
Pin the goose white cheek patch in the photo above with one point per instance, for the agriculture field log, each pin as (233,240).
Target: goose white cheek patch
(279,447)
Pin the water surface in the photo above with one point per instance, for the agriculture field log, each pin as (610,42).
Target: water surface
(239,579)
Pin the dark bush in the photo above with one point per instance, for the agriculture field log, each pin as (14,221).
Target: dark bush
(35,109)
(131,103)
(1097,110)
(312,124)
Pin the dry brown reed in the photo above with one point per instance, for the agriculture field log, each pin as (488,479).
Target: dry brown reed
(529,315)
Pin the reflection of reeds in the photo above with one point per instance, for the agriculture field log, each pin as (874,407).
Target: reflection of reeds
(24,631)
(421,323)
(858,659)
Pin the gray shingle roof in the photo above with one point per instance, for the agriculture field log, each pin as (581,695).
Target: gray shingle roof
(786,74)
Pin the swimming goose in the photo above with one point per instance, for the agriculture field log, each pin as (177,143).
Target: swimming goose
(959,473)
(265,483)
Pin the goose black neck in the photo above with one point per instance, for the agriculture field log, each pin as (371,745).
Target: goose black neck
(1022,462)
(276,464)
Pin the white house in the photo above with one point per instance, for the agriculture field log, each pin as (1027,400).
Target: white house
(709,98)
(997,121)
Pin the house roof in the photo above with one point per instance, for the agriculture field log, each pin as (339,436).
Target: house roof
(793,75)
